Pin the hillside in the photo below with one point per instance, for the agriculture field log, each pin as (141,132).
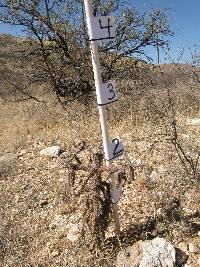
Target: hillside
(53,210)
(14,65)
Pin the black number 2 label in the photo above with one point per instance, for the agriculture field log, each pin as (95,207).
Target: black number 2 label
(117,151)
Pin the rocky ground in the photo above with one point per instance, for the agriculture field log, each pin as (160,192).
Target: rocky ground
(55,210)
(48,205)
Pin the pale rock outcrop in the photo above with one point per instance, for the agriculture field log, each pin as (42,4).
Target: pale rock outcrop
(52,151)
(154,253)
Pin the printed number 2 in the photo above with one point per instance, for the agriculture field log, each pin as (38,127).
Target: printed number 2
(117,151)
(106,27)
(111,91)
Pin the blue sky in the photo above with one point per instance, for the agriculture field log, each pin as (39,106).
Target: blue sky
(185,21)
(4,28)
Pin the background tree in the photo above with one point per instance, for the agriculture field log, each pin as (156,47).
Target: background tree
(57,46)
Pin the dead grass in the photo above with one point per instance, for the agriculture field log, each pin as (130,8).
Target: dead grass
(160,199)
(8,165)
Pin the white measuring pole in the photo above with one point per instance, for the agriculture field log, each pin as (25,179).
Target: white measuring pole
(102,109)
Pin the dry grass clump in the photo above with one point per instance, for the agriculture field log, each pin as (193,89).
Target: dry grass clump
(42,198)
(8,165)
(23,121)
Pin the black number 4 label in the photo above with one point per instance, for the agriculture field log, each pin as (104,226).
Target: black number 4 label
(102,28)
(108,27)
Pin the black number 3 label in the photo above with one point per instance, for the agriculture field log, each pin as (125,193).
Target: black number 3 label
(111,91)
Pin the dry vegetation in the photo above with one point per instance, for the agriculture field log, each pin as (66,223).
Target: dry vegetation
(40,197)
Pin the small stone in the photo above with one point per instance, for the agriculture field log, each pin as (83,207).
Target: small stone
(193,248)
(64,155)
(157,252)
(181,256)
(193,121)
(161,212)
(22,153)
(190,212)
(74,233)
(58,222)
(183,246)
(55,253)
(154,176)
(48,244)
(53,151)
(44,202)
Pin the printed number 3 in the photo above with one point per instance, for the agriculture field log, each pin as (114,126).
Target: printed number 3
(112,92)
(116,152)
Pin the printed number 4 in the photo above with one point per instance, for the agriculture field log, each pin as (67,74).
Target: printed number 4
(106,27)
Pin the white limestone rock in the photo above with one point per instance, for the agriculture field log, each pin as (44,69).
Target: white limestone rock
(193,121)
(154,253)
(52,151)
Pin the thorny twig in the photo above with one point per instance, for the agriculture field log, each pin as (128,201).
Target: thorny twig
(92,190)
(190,165)
(20,88)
